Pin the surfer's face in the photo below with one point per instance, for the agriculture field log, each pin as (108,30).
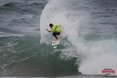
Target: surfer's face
(50,26)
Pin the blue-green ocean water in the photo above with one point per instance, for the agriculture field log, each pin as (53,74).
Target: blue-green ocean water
(22,54)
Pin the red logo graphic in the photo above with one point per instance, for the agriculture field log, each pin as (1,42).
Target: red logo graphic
(108,71)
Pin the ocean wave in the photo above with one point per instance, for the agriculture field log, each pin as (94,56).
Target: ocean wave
(20,16)
(24,56)
(22,7)
(90,27)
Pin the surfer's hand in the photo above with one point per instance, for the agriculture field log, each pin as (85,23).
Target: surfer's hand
(47,30)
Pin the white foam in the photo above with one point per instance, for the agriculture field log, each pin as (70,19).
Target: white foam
(95,55)
(2,34)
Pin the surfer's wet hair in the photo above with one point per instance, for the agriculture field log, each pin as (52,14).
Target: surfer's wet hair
(50,24)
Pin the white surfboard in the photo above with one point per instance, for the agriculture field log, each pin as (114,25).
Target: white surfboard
(55,43)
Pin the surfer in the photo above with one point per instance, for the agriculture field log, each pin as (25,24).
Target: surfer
(55,29)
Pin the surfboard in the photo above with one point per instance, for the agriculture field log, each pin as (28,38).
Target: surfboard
(55,43)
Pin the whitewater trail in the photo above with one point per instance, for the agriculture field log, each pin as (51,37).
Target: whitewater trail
(75,18)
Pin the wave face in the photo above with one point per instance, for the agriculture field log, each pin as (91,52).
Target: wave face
(25,57)
(88,29)
(21,54)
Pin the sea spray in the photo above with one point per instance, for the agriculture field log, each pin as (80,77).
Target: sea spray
(84,30)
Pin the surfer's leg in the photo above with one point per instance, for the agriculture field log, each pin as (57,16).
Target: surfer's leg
(56,40)
(55,35)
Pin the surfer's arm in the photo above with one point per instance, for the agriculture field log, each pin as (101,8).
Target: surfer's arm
(48,30)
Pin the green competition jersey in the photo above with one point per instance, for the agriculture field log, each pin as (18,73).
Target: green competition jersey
(55,28)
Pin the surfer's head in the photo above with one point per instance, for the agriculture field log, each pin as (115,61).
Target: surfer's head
(51,25)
